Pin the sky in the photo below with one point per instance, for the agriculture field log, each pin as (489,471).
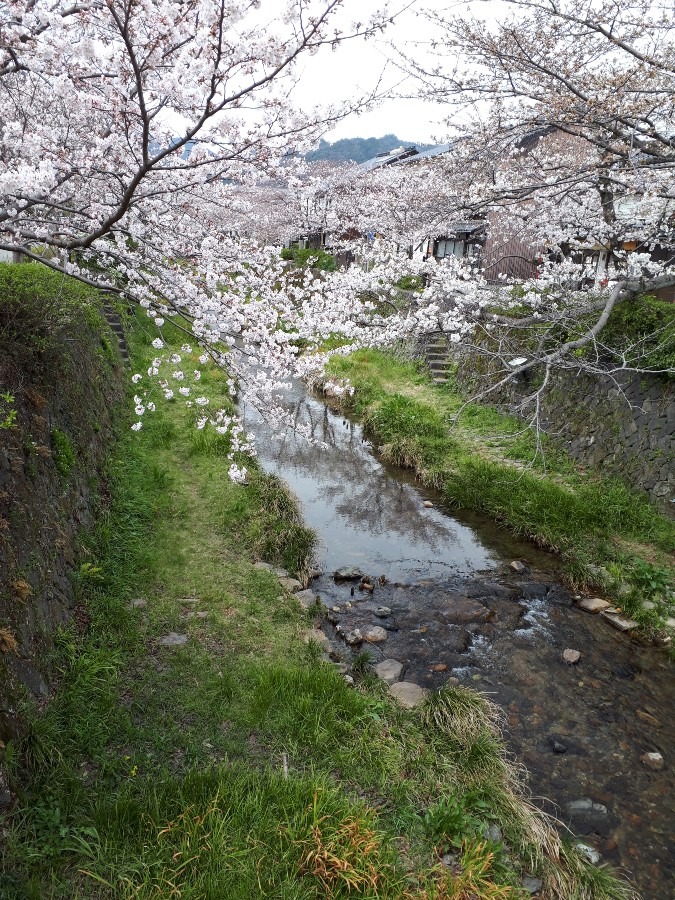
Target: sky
(356,67)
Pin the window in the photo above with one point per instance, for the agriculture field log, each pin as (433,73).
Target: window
(445,247)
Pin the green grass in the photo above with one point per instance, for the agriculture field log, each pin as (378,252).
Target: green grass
(485,461)
(241,764)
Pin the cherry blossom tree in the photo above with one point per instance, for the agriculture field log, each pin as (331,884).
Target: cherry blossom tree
(565,124)
(129,132)
(149,148)
(563,144)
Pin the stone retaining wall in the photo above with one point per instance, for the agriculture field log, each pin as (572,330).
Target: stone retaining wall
(52,484)
(626,430)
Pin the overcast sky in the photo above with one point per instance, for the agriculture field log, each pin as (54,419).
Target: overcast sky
(355,68)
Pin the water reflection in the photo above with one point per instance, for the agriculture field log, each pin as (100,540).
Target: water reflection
(360,512)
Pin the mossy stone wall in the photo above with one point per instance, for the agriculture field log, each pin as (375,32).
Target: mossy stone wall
(64,387)
(622,426)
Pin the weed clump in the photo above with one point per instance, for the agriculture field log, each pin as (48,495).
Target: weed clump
(63,452)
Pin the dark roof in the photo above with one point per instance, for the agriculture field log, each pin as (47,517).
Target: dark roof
(404,155)
(438,150)
(386,159)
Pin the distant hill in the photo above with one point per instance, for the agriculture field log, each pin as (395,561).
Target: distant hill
(358,149)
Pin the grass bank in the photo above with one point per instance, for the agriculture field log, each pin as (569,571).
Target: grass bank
(606,536)
(241,764)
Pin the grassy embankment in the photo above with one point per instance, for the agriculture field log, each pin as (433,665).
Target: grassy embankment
(241,764)
(606,536)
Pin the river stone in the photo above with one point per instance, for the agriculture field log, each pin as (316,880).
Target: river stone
(532,590)
(586,805)
(375,634)
(348,573)
(173,639)
(670,622)
(619,622)
(559,596)
(263,566)
(593,604)
(408,694)
(532,885)
(456,640)
(494,834)
(647,718)
(307,598)
(138,604)
(571,656)
(280,572)
(316,635)
(461,610)
(290,584)
(389,670)
(382,612)
(353,637)
(427,504)
(590,853)
(517,566)
(652,761)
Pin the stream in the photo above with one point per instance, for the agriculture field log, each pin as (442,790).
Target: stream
(457,606)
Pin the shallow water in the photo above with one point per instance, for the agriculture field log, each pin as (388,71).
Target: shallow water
(456,604)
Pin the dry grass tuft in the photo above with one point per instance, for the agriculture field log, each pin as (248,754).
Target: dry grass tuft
(348,857)
(8,643)
(471,879)
(21,589)
(463,714)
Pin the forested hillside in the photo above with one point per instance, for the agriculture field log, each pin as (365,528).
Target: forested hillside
(357,149)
